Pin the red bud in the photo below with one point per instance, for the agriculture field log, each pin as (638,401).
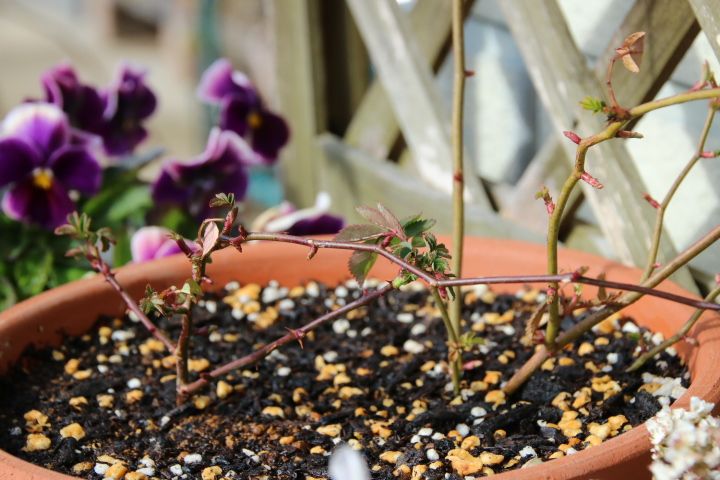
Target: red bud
(574,137)
(592,181)
(653,203)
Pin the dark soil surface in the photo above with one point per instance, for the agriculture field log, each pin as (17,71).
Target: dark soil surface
(376,380)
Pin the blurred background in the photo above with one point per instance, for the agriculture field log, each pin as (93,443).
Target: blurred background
(367,124)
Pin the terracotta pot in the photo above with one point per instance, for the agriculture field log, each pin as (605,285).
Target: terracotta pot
(72,309)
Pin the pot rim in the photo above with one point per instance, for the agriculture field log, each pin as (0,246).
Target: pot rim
(268,259)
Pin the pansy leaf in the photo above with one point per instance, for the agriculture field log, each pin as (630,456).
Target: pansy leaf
(8,296)
(32,272)
(360,264)
(358,232)
(130,201)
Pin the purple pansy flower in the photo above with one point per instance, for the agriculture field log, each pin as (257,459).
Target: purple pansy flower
(127,104)
(82,103)
(41,166)
(308,221)
(222,167)
(242,110)
(149,243)
(115,114)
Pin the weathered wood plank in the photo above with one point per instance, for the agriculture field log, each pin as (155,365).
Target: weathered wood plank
(374,128)
(299,73)
(671,29)
(353,177)
(707,13)
(408,79)
(559,73)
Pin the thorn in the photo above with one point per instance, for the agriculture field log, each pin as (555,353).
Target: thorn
(469,73)
(313,251)
(657,265)
(629,134)
(574,137)
(653,203)
(592,181)
(472,364)
(298,334)
(711,154)
(458,177)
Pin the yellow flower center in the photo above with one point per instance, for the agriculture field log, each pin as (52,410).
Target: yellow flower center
(254,120)
(43,178)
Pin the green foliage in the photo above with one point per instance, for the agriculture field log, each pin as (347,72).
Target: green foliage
(593,104)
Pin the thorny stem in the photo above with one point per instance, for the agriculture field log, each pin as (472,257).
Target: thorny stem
(660,215)
(294,335)
(543,352)
(458,46)
(109,276)
(675,338)
(554,223)
(362,247)
(181,357)
(454,347)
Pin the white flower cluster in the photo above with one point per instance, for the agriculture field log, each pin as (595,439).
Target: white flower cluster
(686,443)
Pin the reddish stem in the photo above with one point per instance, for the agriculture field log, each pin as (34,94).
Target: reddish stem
(292,336)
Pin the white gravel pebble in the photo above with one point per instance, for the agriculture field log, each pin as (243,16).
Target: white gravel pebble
(103,368)
(122,335)
(192,458)
(478,412)
(405,317)
(15,431)
(211,306)
(312,289)
(176,469)
(283,371)
(286,304)
(330,356)
(432,455)
(508,330)
(415,439)
(418,329)
(232,286)
(148,471)
(147,461)
(612,357)
(237,314)
(133,317)
(462,429)
(366,331)
(215,337)
(341,292)
(412,346)
(438,436)
(425,432)
(630,327)
(164,420)
(101,468)
(352,333)
(134,383)
(528,452)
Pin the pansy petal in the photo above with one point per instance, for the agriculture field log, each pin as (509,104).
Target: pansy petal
(42,125)
(320,225)
(234,114)
(121,139)
(270,136)
(76,169)
(47,208)
(57,81)
(167,188)
(152,242)
(219,81)
(81,103)
(17,160)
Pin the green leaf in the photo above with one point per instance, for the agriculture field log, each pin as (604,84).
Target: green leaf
(417,226)
(129,202)
(8,296)
(223,200)
(358,232)
(360,264)
(593,104)
(121,252)
(33,272)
